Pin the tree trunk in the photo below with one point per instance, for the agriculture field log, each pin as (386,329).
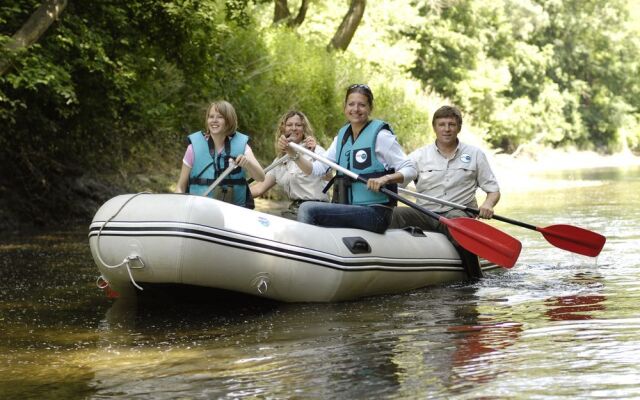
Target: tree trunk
(302,13)
(349,24)
(281,11)
(36,26)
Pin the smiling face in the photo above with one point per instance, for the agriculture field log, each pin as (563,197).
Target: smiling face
(357,109)
(446,129)
(294,129)
(216,124)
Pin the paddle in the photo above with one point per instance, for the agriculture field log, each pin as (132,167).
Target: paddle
(567,237)
(271,166)
(231,167)
(475,236)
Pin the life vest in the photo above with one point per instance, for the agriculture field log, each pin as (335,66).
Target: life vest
(360,158)
(208,165)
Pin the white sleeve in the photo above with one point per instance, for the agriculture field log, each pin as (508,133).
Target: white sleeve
(391,154)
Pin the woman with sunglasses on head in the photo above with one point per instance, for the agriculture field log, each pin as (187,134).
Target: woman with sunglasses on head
(209,153)
(298,186)
(369,148)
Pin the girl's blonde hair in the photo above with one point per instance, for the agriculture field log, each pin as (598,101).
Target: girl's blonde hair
(228,113)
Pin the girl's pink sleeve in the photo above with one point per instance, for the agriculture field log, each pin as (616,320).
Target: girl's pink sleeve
(188,157)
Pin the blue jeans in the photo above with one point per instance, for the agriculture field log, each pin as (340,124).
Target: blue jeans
(374,218)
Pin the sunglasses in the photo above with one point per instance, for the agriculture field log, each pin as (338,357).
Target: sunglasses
(359,86)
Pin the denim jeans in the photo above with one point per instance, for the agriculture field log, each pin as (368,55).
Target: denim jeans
(374,218)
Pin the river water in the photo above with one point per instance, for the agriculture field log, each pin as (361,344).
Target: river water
(557,325)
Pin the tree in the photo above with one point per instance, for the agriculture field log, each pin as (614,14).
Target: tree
(31,31)
(105,89)
(563,72)
(348,26)
(281,13)
(596,59)
(343,35)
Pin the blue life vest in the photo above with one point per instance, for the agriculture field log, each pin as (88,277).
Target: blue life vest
(209,165)
(360,158)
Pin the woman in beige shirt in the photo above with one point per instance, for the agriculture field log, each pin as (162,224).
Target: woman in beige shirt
(296,185)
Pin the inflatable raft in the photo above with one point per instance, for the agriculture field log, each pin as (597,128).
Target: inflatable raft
(137,239)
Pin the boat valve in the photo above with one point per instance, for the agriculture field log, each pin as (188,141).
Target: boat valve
(261,282)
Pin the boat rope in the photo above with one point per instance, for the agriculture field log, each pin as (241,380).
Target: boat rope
(127,260)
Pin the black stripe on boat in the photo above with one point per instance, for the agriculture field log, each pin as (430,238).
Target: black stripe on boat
(270,247)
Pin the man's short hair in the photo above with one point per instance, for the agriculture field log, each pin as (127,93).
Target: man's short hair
(447,112)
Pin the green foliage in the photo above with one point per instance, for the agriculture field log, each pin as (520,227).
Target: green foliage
(295,75)
(402,109)
(560,72)
(107,89)
(116,86)
(449,50)
(597,59)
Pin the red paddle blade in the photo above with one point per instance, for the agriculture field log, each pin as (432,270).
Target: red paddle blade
(484,240)
(574,239)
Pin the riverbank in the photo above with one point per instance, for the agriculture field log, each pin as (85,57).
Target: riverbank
(527,171)
(75,200)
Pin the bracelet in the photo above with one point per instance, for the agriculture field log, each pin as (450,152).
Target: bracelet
(294,158)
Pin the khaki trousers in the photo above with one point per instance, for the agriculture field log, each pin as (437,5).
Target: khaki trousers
(406,216)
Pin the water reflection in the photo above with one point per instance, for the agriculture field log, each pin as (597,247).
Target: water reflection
(580,306)
(47,313)
(574,307)
(391,346)
(477,347)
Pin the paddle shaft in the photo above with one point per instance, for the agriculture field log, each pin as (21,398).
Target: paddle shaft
(465,208)
(274,164)
(231,167)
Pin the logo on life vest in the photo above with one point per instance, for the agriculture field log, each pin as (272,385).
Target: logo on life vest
(465,158)
(361,156)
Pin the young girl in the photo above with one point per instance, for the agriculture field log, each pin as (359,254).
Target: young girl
(208,155)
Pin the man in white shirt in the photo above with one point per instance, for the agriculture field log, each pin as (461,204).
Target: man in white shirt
(450,170)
